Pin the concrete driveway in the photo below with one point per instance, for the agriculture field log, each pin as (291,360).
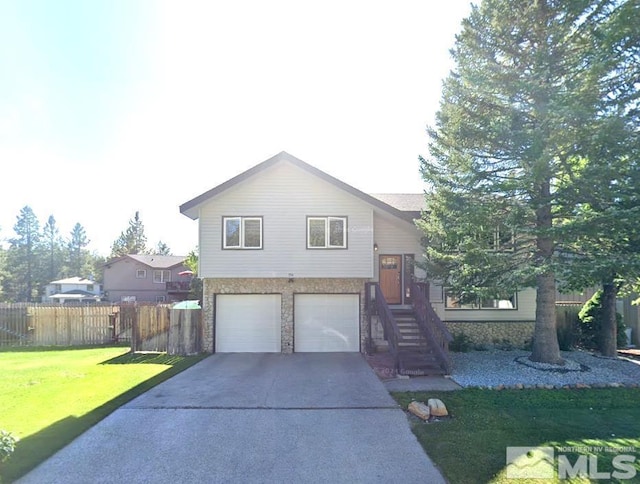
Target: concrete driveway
(306,417)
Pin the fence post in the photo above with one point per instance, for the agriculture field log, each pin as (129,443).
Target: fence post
(135,331)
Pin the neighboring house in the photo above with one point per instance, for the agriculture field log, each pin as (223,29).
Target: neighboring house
(73,290)
(146,278)
(285,251)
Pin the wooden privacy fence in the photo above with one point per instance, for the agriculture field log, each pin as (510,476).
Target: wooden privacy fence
(160,328)
(148,327)
(23,324)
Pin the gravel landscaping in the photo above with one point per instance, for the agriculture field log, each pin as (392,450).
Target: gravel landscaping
(513,369)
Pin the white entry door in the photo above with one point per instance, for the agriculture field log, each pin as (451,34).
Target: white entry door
(326,322)
(248,323)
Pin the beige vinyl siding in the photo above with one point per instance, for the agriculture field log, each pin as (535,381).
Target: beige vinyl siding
(396,237)
(284,196)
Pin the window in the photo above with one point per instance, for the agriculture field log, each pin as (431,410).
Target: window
(242,233)
(90,287)
(127,298)
(141,274)
(160,299)
(500,238)
(457,301)
(326,233)
(161,276)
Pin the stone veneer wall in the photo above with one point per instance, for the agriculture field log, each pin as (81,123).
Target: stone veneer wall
(518,333)
(286,289)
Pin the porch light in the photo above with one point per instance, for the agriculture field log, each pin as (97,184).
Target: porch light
(375,247)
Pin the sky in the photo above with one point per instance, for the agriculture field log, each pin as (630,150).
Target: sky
(108,107)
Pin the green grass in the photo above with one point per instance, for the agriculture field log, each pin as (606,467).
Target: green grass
(50,396)
(471,446)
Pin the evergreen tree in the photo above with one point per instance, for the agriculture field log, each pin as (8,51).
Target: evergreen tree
(51,249)
(22,286)
(162,249)
(132,241)
(514,112)
(602,231)
(78,253)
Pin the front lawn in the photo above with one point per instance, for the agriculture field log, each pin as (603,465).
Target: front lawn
(471,446)
(50,396)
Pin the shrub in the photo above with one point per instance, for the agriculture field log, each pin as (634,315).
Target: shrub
(461,343)
(7,445)
(503,344)
(591,319)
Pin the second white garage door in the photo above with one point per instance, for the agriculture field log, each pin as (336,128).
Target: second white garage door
(326,322)
(248,323)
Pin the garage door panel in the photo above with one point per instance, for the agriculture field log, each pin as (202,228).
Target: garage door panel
(326,322)
(248,323)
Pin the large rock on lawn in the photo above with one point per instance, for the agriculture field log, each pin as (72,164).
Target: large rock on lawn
(420,410)
(437,408)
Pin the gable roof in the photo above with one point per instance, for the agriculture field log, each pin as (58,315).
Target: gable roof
(73,280)
(407,202)
(153,261)
(190,208)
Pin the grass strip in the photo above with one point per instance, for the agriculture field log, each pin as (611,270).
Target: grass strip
(471,446)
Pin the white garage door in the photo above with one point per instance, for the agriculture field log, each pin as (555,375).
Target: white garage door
(327,322)
(248,323)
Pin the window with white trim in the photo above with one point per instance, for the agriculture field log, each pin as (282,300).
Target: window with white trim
(160,299)
(141,274)
(161,276)
(458,301)
(242,232)
(326,232)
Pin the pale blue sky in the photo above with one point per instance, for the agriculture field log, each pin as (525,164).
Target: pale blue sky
(113,106)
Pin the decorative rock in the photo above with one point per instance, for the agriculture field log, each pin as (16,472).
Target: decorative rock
(500,387)
(437,408)
(519,386)
(582,385)
(420,410)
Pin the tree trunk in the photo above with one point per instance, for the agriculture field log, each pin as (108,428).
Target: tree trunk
(545,340)
(608,340)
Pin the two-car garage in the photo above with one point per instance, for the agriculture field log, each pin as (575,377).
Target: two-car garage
(252,323)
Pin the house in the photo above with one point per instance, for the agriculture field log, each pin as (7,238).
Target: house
(72,290)
(288,254)
(146,278)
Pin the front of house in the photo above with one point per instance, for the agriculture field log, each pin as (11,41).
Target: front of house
(286,251)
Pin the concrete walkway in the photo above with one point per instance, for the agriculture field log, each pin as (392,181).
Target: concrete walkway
(252,418)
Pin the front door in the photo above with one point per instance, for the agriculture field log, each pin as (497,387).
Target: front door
(390,278)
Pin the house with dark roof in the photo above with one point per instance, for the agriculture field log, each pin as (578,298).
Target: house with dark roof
(146,278)
(72,290)
(293,259)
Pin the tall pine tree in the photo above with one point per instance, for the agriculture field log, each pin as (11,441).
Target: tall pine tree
(22,257)
(132,241)
(513,113)
(602,231)
(78,254)
(51,250)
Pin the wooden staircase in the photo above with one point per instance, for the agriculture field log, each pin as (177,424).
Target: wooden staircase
(415,356)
